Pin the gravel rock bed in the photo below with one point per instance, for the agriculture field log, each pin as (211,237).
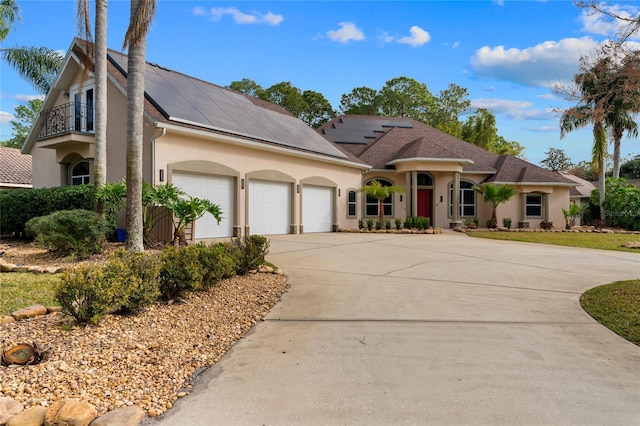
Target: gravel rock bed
(146,360)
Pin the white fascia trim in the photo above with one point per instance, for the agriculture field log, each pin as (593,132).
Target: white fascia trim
(15,185)
(434,160)
(260,146)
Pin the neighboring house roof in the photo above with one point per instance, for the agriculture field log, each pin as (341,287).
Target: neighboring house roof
(582,189)
(15,169)
(383,141)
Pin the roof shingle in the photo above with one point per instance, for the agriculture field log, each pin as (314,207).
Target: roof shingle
(15,168)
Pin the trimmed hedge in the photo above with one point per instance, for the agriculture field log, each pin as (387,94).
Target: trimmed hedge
(18,206)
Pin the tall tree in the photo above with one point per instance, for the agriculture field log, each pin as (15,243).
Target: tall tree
(557,160)
(480,129)
(287,96)
(360,101)
(246,86)
(318,110)
(141,16)
(449,104)
(406,97)
(25,115)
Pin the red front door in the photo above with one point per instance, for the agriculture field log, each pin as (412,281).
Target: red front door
(425,202)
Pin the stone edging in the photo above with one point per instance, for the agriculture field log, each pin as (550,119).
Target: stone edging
(394,231)
(11,267)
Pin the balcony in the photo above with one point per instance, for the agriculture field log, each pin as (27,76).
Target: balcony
(67,118)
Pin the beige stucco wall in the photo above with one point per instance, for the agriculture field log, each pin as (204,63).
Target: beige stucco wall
(200,154)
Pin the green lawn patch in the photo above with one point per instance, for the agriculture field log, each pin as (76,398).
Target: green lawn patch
(571,239)
(19,290)
(617,307)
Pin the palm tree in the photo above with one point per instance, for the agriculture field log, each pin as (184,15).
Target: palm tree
(9,14)
(496,195)
(38,65)
(141,16)
(376,190)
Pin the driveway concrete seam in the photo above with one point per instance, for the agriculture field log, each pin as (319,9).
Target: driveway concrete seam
(429,321)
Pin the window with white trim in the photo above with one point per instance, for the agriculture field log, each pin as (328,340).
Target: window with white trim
(351,204)
(533,205)
(467,199)
(371,204)
(80,173)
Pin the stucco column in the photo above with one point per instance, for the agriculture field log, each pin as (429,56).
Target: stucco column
(545,206)
(414,192)
(523,211)
(455,214)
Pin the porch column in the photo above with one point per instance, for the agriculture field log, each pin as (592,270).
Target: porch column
(545,206)
(455,214)
(414,193)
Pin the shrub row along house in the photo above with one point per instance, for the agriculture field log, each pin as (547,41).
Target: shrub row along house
(269,171)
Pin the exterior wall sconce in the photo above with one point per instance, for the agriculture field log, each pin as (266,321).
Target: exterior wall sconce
(241,183)
(338,192)
(297,188)
(161,175)
(401,198)
(441,198)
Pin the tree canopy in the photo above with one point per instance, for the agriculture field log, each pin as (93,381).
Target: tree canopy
(557,160)
(25,115)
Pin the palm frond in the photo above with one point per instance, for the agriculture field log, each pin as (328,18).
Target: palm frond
(38,65)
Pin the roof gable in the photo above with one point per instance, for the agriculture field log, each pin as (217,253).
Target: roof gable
(515,170)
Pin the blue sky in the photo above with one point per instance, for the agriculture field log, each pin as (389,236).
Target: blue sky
(506,53)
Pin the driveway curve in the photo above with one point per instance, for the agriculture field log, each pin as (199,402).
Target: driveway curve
(445,329)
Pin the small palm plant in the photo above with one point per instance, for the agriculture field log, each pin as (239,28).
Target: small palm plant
(376,190)
(571,215)
(496,195)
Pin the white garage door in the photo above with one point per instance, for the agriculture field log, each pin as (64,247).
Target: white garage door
(269,207)
(218,190)
(317,209)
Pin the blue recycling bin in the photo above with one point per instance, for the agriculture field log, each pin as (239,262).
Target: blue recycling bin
(121,235)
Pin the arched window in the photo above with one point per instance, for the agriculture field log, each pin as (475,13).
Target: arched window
(467,199)
(425,179)
(80,173)
(371,204)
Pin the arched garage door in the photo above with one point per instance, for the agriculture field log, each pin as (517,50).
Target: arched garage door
(217,189)
(317,209)
(269,207)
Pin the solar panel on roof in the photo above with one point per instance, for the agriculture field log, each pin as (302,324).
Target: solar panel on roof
(193,101)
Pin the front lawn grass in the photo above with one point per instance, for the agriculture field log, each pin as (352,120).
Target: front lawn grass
(571,239)
(617,307)
(19,290)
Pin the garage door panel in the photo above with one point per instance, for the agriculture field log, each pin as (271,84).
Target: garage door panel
(317,209)
(219,190)
(269,207)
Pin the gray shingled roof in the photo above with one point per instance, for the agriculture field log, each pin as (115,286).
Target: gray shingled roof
(379,141)
(189,101)
(15,168)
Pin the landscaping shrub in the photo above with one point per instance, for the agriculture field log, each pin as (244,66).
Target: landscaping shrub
(621,204)
(387,224)
(409,222)
(217,263)
(181,272)
(248,252)
(398,222)
(21,205)
(78,233)
(369,224)
(132,280)
(422,223)
(83,295)
(360,224)
(506,222)
(378,224)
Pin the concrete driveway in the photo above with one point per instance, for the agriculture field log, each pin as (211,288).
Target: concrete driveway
(426,329)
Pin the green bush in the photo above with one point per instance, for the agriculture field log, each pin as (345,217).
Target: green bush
(369,224)
(621,204)
(506,222)
(217,263)
(248,252)
(78,233)
(409,222)
(83,295)
(360,224)
(20,205)
(422,223)
(398,223)
(181,272)
(132,280)
(378,224)
(387,224)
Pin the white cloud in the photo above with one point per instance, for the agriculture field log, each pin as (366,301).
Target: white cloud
(601,24)
(26,98)
(6,117)
(549,96)
(417,38)
(241,18)
(515,110)
(385,37)
(348,31)
(543,65)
